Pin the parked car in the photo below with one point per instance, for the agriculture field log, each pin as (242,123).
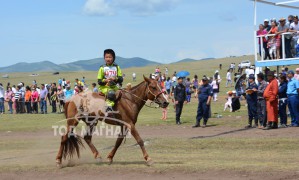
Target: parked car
(245,64)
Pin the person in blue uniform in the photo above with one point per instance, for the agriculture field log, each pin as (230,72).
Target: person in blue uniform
(251,98)
(205,94)
(293,98)
(283,101)
(180,98)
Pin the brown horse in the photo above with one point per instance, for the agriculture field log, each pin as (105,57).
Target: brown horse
(128,107)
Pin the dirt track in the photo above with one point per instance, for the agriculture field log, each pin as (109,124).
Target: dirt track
(110,172)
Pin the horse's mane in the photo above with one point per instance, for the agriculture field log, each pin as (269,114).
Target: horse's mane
(136,87)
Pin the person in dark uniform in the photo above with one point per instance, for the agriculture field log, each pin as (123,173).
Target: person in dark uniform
(251,98)
(180,98)
(205,94)
(261,101)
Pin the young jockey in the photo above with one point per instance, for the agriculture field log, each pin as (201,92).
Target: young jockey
(109,76)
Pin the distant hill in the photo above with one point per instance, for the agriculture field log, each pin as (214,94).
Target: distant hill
(82,65)
(191,60)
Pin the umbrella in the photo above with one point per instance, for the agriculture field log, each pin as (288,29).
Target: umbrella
(182,74)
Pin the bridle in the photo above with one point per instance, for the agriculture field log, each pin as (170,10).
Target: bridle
(155,100)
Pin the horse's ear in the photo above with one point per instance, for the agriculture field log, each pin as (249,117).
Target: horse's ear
(146,79)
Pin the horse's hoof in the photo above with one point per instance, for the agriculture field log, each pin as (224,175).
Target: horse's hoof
(71,163)
(110,161)
(149,162)
(99,159)
(59,165)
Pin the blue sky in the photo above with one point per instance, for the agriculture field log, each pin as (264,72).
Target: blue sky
(160,30)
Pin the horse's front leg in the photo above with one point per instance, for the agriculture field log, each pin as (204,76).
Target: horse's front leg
(135,134)
(118,142)
(87,138)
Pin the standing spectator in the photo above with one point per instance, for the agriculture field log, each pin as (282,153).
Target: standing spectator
(262,32)
(134,76)
(180,98)
(294,27)
(8,99)
(54,97)
(297,74)
(63,83)
(290,20)
(61,98)
(220,66)
(166,71)
(195,82)
(28,99)
(164,110)
(283,101)
(274,30)
(205,93)
(283,28)
(168,85)
(83,80)
(43,99)
(266,25)
(48,87)
(228,79)
(270,94)
(283,71)
(261,102)
(173,80)
(34,100)
(293,98)
(218,79)
(2,108)
(68,93)
(271,45)
(60,82)
(214,85)
(22,98)
(251,97)
(18,96)
(94,88)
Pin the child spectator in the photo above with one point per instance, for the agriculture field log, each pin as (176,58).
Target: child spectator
(61,99)
(164,110)
(272,47)
(229,101)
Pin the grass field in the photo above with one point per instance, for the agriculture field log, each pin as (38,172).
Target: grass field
(27,143)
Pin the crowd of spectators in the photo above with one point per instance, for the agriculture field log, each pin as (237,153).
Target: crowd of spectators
(272,32)
(35,98)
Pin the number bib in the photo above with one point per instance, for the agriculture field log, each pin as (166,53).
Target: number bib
(110,71)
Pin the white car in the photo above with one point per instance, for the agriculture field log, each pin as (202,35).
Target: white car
(245,64)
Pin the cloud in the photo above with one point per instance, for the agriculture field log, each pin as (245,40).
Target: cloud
(227,16)
(135,7)
(98,7)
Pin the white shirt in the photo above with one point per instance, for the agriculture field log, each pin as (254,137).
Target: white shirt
(173,79)
(13,90)
(1,92)
(134,74)
(228,76)
(251,71)
(295,27)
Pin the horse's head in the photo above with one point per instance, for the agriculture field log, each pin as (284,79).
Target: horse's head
(155,92)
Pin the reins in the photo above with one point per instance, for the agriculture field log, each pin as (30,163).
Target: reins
(148,91)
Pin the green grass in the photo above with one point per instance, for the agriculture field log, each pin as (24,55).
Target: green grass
(37,149)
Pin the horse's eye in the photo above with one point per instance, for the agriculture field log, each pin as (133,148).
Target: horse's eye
(154,88)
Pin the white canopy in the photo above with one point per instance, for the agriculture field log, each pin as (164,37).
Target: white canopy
(287,4)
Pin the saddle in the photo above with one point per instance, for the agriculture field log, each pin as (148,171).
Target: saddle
(118,94)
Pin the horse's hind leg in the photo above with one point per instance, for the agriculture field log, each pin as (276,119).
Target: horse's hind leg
(135,134)
(117,144)
(70,126)
(87,138)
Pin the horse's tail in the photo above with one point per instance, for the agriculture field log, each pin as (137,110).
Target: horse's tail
(65,108)
(72,145)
